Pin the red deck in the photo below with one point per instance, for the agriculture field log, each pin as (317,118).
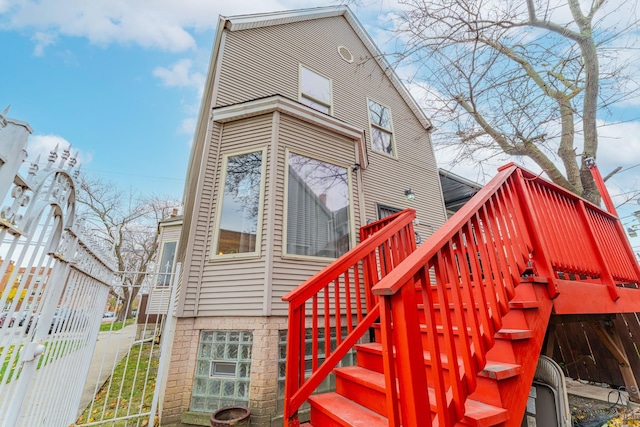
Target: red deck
(459,322)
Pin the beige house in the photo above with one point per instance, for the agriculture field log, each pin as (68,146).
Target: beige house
(305,134)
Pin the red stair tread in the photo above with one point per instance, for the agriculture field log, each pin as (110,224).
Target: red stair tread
(482,415)
(514,334)
(500,370)
(524,304)
(345,411)
(492,369)
(476,413)
(362,376)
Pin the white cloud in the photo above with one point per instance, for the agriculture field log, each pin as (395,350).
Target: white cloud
(188,125)
(4,5)
(157,24)
(42,40)
(618,145)
(180,74)
(40,146)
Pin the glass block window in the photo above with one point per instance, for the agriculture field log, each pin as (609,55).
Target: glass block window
(329,383)
(222,370)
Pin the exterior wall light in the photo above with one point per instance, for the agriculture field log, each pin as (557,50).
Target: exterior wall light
(409,194)
(632,230)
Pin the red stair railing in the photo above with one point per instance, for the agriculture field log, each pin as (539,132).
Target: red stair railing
(517,225)
(473,259)
(340,297)
(581,241)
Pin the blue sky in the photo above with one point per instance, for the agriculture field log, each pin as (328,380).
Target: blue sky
(121,81)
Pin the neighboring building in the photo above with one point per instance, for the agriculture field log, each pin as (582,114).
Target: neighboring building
(305,134)
(154,302)
(31,290)
(456,190)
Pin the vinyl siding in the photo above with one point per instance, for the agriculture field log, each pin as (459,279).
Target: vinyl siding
(261,62)
(265,61)
(308,140)
(195,227)
(226,287)
(170,233)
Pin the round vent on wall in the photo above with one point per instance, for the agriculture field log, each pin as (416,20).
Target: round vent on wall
(345,54)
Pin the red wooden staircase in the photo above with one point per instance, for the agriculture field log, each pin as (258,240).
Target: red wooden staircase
(458,322)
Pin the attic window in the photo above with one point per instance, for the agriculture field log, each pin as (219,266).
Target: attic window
(345,54)
(315,90)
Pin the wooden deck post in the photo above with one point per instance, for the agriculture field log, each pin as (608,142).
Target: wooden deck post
(608,334)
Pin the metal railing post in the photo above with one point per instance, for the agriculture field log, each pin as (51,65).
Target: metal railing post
(165,346)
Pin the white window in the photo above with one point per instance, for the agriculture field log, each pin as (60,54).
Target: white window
(166,263)
(238,224)
(381,129)
(315,90)
(318,208)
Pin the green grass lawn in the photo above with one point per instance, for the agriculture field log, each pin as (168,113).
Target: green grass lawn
(5,363)
(116,325)
(131,386)
(55,349)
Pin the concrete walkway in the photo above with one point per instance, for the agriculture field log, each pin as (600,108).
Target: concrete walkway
(590,391)
(111,347)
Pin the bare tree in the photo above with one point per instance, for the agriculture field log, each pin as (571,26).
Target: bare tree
(129,225)
(524,79)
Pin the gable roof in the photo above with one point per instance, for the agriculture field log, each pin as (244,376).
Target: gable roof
(261,20)
(194,179)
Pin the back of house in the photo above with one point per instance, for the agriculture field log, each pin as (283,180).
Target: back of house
(305,134)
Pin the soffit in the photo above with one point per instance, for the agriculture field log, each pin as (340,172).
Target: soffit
(295,109)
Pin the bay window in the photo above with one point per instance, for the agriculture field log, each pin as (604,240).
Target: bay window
(318,208)
(240,209)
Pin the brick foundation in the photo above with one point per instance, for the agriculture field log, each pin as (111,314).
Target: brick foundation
(264,366)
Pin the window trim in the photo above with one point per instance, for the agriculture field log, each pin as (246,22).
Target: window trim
(215,362)
(173,264)
(380,128)
(285,225)
(216,229)
(312,98)
(380,207)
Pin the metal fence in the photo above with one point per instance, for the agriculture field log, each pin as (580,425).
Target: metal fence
(128,370)
(54,286)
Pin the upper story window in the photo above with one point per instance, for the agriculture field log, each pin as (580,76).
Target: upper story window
(315,90)
(382,139)
(238,223)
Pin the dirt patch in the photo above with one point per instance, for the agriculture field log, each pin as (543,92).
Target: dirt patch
(596,413)
(590,412)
